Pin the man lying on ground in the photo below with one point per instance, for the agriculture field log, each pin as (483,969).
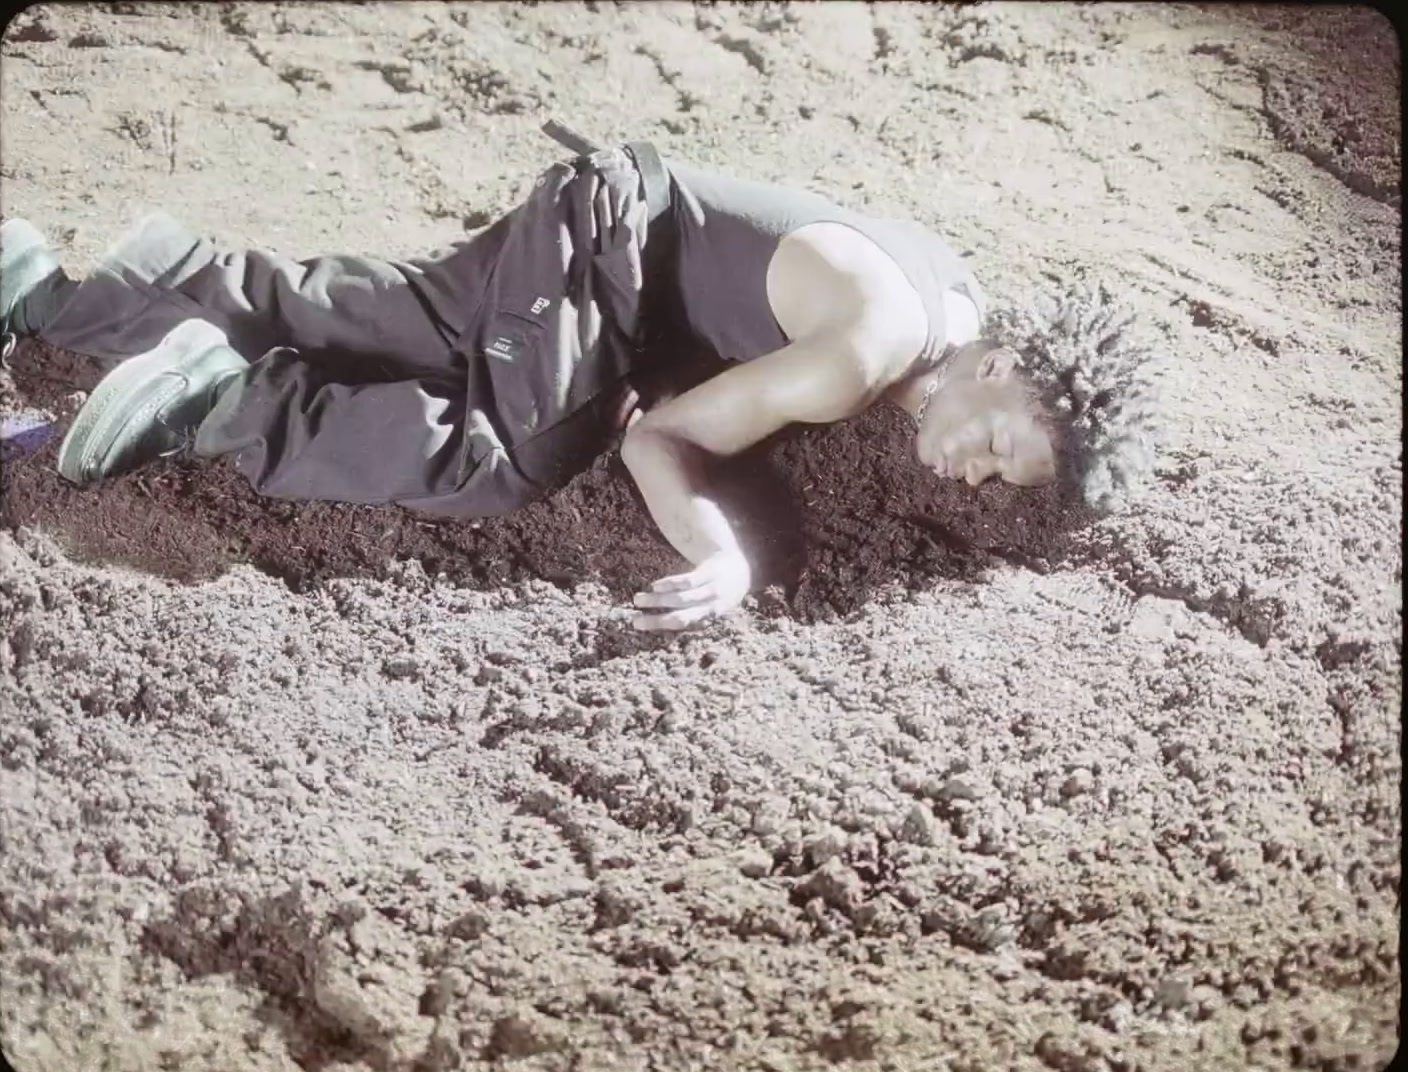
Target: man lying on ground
(505,362)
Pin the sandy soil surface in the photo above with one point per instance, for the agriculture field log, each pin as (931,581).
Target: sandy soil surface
(979,788)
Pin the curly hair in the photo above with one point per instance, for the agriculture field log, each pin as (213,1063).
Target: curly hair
(1096,386)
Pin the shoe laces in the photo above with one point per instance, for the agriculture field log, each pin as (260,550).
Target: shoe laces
(185,439)
(185,434)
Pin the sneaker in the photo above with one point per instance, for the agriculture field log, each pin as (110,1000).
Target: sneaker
(149,406)
(25,261)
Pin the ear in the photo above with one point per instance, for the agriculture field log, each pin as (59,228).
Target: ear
(998,364)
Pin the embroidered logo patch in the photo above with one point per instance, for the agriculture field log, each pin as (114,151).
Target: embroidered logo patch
(539,305)
(505,347)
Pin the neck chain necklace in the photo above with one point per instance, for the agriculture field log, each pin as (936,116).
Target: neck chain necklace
(941,367)
(924,402)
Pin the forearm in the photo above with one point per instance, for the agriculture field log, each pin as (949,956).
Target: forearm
(670,474)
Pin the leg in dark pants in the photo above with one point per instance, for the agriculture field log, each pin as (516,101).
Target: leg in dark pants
(355,390)
(492,358)
(160,274)
(296,433)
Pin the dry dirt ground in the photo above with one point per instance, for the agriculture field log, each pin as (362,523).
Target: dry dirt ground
(1135,808)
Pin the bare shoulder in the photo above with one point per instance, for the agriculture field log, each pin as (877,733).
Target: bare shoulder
(854,325)
(826,273)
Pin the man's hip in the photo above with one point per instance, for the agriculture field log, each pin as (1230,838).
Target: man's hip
(550,350)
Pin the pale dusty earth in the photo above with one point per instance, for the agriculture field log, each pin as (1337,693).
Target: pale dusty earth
(1135,818)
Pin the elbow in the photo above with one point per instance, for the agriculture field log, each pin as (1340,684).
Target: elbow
(638,444)
(648,446)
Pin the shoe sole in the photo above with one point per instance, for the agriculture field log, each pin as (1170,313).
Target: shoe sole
(106,418)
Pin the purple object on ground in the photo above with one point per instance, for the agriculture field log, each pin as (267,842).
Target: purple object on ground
(22,434)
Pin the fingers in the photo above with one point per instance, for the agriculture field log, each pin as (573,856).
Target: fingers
(615,223)
(708,573)
(677,608)
(602,215)
(686,597)
(685,618)
(714,587)
(622,196)
(680,580)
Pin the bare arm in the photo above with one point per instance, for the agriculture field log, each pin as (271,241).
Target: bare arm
(819,379)
(857,325)
(670,475)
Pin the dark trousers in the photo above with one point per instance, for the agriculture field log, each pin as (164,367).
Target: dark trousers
(464,383)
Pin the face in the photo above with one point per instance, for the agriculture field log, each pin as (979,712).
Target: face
(981,423)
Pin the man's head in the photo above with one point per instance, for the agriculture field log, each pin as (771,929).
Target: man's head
(985,420)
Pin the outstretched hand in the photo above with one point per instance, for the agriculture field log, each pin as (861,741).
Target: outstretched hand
(712,589)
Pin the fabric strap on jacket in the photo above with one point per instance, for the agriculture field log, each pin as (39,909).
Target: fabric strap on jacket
(647,161)
(652,173)
(570,139)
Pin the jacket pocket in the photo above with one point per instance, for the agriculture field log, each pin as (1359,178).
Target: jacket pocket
(517,357)
(549,377)
(559,453)
(547,399)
